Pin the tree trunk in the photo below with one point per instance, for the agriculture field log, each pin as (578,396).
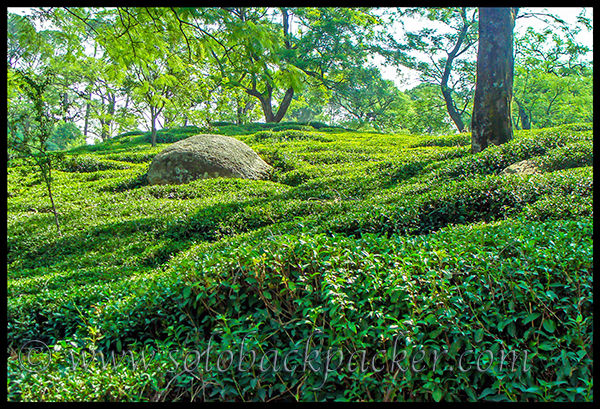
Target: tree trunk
(240,114)
(454,114)
(525,119)
(107,120)
(88,107)
(153,115)
(48,180)
(285,103)
(495,65)
(447,91)
(265,102)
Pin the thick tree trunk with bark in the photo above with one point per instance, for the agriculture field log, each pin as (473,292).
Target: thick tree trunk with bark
(285,104)
(491,124)
(153,115)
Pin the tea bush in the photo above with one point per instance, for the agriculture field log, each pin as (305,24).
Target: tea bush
(481,287)
(289,135)
(358,292)
(572,156)
(81,163)
(462,139)
(174,134)
(405,256)
(230,129)
(543,144)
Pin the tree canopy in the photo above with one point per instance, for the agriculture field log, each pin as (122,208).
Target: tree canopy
(123,68)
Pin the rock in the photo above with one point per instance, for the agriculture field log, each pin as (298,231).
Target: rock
(525,167)
(206,156)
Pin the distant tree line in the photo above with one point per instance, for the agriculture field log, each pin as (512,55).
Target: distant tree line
(120,69)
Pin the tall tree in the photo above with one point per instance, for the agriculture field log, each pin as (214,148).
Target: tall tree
(149,48)
(243,49)
(445,54)
(495,70)
(552,79)
(311,104)
(430,114)
(366,99)
(270,53)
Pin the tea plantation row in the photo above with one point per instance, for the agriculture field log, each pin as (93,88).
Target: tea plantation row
(393,249)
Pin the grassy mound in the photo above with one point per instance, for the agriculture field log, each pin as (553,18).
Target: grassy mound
(371,267)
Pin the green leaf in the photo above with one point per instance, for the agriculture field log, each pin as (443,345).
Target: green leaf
(434,334)
(531,317)
(437,394)
(498,398)
(533,389)
(479,335)
(549,325)
(455,347)
(486,392)
(511,329)
(352,326)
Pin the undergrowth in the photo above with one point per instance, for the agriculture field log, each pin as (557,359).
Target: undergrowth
(370,267)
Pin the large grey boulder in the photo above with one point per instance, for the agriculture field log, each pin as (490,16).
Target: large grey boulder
(206,156)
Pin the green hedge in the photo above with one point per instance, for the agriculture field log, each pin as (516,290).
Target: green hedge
(362,238)
(486,198)
(484,288)
(88,163)
(289,135)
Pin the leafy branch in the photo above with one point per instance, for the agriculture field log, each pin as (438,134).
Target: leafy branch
(30,128)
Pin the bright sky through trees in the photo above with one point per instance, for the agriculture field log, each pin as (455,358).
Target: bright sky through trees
(410,78)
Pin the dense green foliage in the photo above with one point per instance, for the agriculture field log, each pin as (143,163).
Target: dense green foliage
(361,243)
(118,68)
